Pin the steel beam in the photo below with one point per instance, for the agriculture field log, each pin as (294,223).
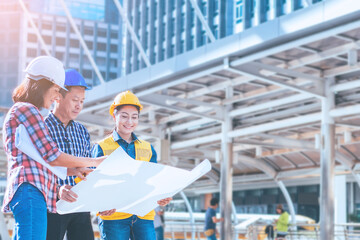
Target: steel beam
(270,171)
(191,213)
(348,163)
(150,90)
(170,100)
(162,104)
(292,143)
(259,164)
(289,72)
(298,42)
(290,203)
(346,124)
(289,122)
(236,221)
(270,104)
(253,74)
(37,32)
(132,33)
(202,20)
(193,124)
(82,41)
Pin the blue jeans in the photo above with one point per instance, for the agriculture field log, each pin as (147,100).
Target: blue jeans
(212,237)
(159,233)
(123,229)
(29,208)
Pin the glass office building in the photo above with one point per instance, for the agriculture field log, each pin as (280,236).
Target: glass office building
(10,44)
(169,28)
(164,29)
(84,9)
(19,43)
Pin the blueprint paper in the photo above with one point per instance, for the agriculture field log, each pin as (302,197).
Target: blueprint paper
(129,185)
(24,144)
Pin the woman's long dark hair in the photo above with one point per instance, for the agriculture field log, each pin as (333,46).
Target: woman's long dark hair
(32,91)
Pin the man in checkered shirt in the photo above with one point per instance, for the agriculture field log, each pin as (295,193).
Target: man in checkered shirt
(72,138)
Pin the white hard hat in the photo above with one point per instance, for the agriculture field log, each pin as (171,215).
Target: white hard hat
(46,67)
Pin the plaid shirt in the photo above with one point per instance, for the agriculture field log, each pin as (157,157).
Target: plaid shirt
(73,139)
(22,168)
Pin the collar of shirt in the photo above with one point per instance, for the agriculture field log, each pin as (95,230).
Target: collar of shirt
(117,137)
(57,121)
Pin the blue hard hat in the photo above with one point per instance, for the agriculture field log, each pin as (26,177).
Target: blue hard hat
(73,78)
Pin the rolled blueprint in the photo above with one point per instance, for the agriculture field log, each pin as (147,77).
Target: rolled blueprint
(24,144)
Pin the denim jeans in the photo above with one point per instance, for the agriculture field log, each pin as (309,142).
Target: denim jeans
(29,208)
(159,233)
(123,229)
(212,237)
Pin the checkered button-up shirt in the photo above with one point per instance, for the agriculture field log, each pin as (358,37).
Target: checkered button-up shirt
(73,139)
(22,168)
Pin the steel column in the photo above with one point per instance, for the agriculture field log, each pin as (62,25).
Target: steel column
(236,221)
(327,164)
(226,175)
(288,201)
(191,213)
(271,172)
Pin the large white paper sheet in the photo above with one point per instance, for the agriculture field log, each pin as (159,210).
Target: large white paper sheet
(129,186)
(24,143)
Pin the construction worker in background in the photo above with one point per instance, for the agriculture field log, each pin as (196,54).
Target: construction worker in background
(211,219)
(31,187)
(282,223)
(72,138)
(113,225)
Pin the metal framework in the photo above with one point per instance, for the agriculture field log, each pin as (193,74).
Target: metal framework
(290,102)
(33,25)
(82,41)
(132,32)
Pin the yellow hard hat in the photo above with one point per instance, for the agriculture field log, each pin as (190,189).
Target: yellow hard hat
(125,98)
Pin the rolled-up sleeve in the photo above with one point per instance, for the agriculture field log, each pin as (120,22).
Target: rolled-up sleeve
(34,123)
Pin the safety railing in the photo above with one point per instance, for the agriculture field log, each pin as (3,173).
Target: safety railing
(185,230)
(348,231)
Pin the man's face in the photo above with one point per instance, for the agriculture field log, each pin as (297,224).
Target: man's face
(71,105)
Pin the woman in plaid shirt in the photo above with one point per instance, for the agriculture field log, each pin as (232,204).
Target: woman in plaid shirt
(31,187)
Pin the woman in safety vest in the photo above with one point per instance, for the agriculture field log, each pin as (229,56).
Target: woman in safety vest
(117,225)
(31,187)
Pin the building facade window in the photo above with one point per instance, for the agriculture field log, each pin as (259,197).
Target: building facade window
(239,11)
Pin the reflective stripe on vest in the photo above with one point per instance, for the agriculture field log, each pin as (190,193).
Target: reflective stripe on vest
(142,153)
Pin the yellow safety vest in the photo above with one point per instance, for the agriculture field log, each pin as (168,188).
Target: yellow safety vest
(142,153)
